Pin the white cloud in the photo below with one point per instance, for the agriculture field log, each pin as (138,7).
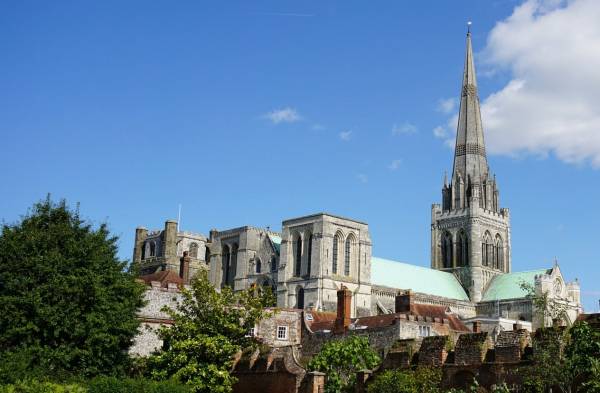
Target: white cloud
(362,178)
(440,132)
(405,128)
(284,115)
(551,104)
(446,105)
(318,127)
(394,165)
(345,135)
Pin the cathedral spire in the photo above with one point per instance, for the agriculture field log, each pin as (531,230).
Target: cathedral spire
(469,155)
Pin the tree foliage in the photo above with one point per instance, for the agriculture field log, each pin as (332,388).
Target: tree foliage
(421,380)
(341,359)
(209,328)
(67,306)
(583,356)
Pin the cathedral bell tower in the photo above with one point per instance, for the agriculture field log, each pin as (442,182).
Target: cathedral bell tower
(470,233)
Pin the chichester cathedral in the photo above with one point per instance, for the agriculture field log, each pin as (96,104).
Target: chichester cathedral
(313,257)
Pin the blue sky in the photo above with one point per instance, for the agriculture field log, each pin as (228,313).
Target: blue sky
(248,113)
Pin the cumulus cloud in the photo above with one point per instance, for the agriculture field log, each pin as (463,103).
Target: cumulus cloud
(284,115)
(394,165)
(405,128)
(440,132)
(550,105)
(345,135)
(446,105)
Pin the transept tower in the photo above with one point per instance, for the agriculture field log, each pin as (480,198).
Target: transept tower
(470,233)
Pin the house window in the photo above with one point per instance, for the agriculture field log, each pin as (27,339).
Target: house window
(424,331)
(282,332)
(251,332)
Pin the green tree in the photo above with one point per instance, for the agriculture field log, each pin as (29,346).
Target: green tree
(67,305)
(341,359)
(549,366)
(421,380)
(583,356)
(209,328)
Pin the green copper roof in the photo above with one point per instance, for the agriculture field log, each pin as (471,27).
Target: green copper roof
(420,279)
(276,240)
(508,286)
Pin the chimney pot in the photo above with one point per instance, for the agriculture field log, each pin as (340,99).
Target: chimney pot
(344,299)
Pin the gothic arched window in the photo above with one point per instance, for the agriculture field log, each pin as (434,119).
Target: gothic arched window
(309,259)
(300,298)
(193,250)
(273,265)
(298,258)
(347,255)
(226,261)
(499,253)
(144,250)
(336,244)
(258,266)
(233,264)
(447,250)
(152,249)
(487,250)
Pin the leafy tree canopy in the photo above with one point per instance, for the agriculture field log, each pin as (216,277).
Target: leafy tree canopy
(67,305)
(209,328)
(422,380)
(341,359)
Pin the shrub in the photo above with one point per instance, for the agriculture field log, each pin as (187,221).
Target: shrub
(128,385)
(422,380)
(35,386)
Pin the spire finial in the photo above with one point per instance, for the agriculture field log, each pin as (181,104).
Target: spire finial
(469,23)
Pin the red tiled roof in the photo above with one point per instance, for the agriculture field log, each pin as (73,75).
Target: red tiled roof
(326,321)
(431,311)
(165,277)
(320,320)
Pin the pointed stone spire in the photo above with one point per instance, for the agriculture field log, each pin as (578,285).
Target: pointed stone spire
(469,154)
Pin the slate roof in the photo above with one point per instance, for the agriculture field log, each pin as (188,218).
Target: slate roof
(400,275)
(507,286)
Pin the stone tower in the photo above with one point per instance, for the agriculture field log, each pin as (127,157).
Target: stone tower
(470,233)
(321,253)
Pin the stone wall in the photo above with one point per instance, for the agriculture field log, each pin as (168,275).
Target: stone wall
(472,348)
(267,328)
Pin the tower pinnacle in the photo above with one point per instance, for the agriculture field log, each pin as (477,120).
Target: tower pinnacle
(470,161)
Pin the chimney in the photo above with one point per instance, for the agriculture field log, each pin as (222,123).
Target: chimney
(405,301)
(477,327)
(184,267)
(344,300)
